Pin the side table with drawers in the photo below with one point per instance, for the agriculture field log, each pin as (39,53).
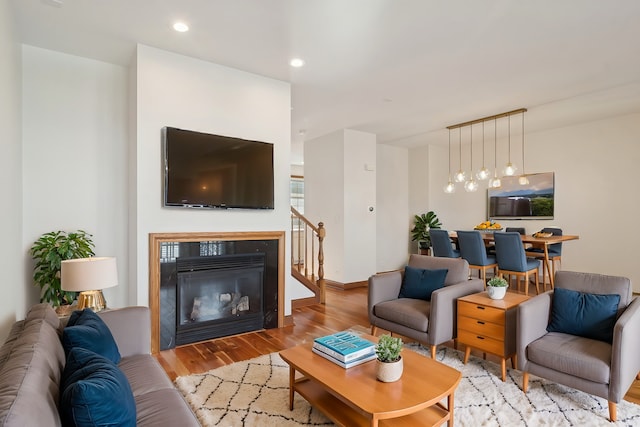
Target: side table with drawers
(489,325)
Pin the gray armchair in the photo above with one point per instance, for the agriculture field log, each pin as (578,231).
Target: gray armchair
(430,322)
(593,366)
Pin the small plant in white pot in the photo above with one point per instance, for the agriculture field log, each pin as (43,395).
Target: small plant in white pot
(389,362)
(497,287)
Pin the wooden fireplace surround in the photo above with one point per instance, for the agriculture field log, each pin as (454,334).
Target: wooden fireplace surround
(155,239)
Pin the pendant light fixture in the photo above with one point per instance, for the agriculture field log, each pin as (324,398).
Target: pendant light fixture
(495,181)
(483,173)
(471,185)
(460,176)
(523,180)
(450,188)
(510,169)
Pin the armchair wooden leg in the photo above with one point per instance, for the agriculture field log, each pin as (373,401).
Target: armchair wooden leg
(525,381)
(374,330)
(433,352)
(613,416)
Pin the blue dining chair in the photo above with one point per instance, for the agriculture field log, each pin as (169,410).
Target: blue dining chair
(441,244)
(512,260)
(473,249)
(555,254)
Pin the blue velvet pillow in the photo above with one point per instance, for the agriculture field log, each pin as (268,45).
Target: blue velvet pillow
(95,392)
(583,314)
(419,283)
(87,330)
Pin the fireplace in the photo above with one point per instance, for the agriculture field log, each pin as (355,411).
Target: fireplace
(218,296)
(209,285)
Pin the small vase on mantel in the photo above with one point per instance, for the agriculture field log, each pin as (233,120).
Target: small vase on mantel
(388,372)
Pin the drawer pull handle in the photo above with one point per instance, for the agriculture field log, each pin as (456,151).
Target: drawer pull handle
(479,307)
(480,323)
(480,338)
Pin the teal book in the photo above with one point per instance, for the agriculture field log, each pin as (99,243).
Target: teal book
(344,346)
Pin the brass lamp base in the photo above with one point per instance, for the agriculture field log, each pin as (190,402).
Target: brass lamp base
(91,299)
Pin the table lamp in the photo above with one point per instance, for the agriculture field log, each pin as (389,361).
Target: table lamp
(89,276)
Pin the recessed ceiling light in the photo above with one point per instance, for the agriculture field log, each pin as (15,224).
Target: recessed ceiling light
(296,62)
(180,27)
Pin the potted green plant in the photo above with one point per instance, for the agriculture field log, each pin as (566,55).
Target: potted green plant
(48,252)
(421,226)
(389,361)
(497,287)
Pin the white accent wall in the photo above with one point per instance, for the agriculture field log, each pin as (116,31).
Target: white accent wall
(75,162)
(596,170)
(14,300)
(179,91)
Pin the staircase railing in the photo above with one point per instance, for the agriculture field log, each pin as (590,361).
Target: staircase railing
(307,247)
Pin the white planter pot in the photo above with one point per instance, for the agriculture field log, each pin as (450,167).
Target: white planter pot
(496,292)
(388,372)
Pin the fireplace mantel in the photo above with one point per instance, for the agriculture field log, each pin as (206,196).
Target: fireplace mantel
(156,239)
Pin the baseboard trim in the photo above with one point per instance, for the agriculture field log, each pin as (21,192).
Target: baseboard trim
(346,286)
(288,321)
(303,302)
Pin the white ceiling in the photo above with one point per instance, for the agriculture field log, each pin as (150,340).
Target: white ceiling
(402,69)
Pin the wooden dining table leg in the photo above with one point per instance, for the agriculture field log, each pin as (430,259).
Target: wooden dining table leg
(546,262)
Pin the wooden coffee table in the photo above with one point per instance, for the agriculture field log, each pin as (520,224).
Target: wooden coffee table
(353,397)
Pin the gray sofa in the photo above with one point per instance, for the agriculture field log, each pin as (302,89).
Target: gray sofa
(32,360)
(430,322)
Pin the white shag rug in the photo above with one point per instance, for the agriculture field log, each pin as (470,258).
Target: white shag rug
(256,393)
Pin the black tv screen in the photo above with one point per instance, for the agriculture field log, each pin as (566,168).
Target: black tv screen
(203,170)
(534,200)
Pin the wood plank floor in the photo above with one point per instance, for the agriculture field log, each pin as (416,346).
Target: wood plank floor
(343,310)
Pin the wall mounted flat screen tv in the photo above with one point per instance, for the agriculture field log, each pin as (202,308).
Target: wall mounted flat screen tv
(513,200)
(203,170)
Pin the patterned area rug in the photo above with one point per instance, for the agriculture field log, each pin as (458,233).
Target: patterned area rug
(256,393)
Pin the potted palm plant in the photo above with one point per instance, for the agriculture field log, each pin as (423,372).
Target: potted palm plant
(420,231)
(48,252)
(389,361)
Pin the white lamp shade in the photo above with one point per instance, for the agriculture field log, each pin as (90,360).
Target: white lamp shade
(88,274)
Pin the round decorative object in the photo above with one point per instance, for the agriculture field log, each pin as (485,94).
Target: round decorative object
(496,292)
(388,372)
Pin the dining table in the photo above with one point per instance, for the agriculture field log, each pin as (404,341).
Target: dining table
(535,242)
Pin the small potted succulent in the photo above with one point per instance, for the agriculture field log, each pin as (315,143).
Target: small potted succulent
(497,287)
(389,362)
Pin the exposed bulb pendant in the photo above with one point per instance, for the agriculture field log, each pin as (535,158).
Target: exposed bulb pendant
(449,188)
(471,185)
(484,173)
(495,181)
(460,176)
(523,180)
(510,169)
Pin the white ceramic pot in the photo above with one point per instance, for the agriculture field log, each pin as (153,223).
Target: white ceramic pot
(388,372)
(496,292)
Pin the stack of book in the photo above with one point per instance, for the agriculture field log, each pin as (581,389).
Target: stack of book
(345,349)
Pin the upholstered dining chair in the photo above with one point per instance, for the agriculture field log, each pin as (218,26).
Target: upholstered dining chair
(583,334)
(512,260)
(554,251)
(473,249)
(428,317)
(441,244)
(520,230)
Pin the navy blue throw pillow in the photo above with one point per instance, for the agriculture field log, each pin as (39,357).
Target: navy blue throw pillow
(419,283)
(95,392)
(583,314)
(87,330)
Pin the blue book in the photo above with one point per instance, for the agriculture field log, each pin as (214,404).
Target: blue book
(344,346)
(345,365)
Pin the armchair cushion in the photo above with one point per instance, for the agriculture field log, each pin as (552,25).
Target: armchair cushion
(584,314)
(572,355)
(412,313)
(419,283)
